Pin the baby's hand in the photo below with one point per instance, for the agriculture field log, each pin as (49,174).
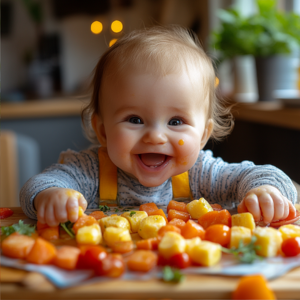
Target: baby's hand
(266,201)
(58,205)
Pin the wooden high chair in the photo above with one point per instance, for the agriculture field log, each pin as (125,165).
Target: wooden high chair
(8,170)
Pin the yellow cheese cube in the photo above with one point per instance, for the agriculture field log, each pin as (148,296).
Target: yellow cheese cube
(149,226)
(114,221)
(135,219)
(89,235)
(113,234)
(288,231)
(190,244)
(243,219)
(269,240)
(206,253)
(239,233)
(171,243)
(198,208)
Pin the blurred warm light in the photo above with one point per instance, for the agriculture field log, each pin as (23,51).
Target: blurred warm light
(112,42)
(96,27)
(116,26)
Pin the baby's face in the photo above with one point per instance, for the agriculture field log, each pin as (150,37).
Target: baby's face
(153,127)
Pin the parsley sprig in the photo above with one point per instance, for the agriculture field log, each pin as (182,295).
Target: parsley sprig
(104,208)
(132,213)
(67,226)
(245,253)
(172,275)
(20,227)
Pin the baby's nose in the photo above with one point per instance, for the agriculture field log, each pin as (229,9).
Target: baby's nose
(154,136)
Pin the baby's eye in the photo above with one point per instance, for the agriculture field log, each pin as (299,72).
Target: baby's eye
(175,122)
(135,120)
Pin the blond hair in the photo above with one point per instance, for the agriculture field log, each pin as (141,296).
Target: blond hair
(161,50)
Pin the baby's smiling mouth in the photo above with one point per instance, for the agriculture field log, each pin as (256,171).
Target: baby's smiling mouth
(153,160)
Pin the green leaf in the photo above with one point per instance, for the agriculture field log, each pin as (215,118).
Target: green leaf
(20,227)
(132,213)
(172,275)
(67,226)
(104,208)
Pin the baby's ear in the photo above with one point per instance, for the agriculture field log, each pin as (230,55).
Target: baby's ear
(207,132)
(99,129)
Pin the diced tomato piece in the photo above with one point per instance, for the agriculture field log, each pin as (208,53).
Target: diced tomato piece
(291,246)
(216,207)
(158,212)
(84,221)
(192,230)
(147,244)
(215,217)
(291,218)
(180,206)
(142,261)
(180,260)
(219,234)
(162,231)
(5,212)
(66,257)
(17,245)
(111,266)
(122,247)
(162,261)
(148,207)
(172,214)
(90,256)
(98,214)
(177,222)
(42,252)
(50,233)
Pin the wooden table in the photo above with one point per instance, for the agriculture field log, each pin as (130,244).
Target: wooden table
(18,284)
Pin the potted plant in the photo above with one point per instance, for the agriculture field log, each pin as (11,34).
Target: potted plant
(267,35)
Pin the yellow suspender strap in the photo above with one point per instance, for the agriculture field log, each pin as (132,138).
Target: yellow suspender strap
(108,185)
(181,186)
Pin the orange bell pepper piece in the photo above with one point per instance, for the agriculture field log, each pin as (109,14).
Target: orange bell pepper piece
(253,287)
(42,252)
(172,214)
(142,261)
(180,206)
(148,207)
(215,217)
(147,244)
(85,220)
(158,212)
(192,230)
(17,245)
(66,257)
(177,222)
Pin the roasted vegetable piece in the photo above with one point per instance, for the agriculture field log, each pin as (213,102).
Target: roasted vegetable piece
(291,246)
(239,233)
(219,234)
(177,222)
(180,206)
(17,245)
(135,218)
(5,212)
(84,221)
(42,252)
(112,266)
(158,212)
(243,219)
(142,261)
(190,244)
(216,206)
(291,218)
(91,256)
(288,231)
(150,226)
(162,231)
(148,207)
(114,221)
(171,243)
(113,234)
(252,287)
(122,247)
(50,233)
(89,235)
(192,230)
(215,217)
(98,214)
(66,257)
(172,214)
(198,208)
(147,244)
(180,261)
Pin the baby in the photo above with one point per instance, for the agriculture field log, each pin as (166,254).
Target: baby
(153,108)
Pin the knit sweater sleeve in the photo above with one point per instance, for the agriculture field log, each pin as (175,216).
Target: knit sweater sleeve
(78,171)
(227,184)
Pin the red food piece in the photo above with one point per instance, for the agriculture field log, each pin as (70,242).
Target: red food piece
(172,214)
(291,246)
(5,212)
(180,260)
(90,256)
(111,266)
(291,218)
(180,206)
(215,217)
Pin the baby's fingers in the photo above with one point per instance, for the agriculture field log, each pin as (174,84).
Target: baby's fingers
(82,202)
(252,205)
(72,209)
(267,207)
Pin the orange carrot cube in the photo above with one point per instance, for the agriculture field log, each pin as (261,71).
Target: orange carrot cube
(162,231)
(66,257)
(148,207)
(177,222)
(158,212)
(50,233)
(147,244)
(215,217)
(172,214)
(192,230)
(180,206)
(84,221)
(122,247)
(98,214)
(142,260)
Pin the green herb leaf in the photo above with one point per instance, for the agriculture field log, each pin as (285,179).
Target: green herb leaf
(20,227)
(245,253)
(116,210)
(104,208)
(67,226)
(172,275)
(132,213)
